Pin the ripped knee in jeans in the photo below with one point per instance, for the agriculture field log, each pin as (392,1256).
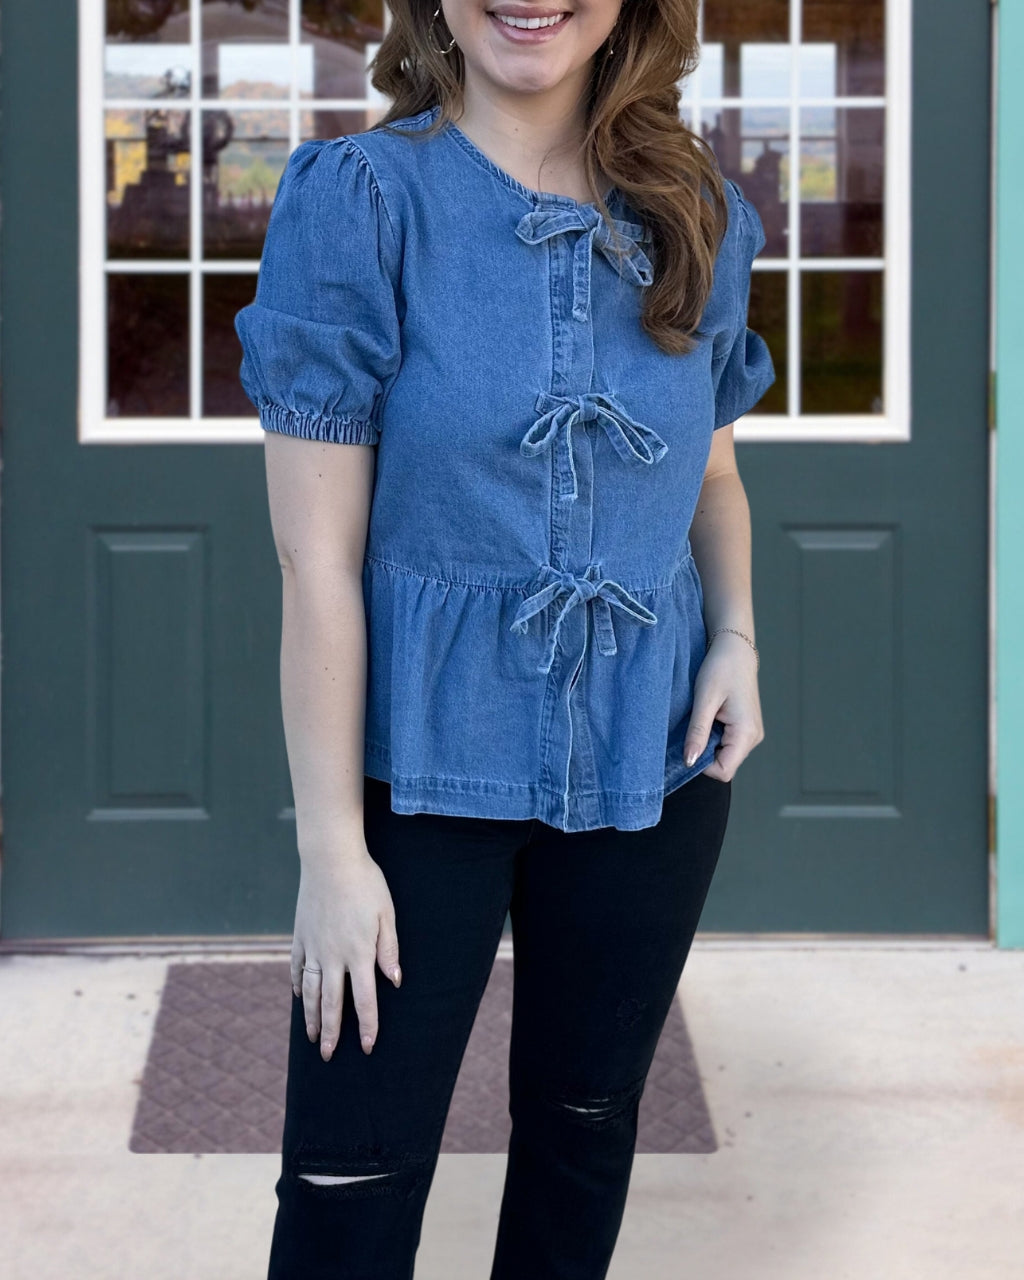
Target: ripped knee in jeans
(598,1109)
(360,1170)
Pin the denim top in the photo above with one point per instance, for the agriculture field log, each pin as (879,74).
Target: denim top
(534,613)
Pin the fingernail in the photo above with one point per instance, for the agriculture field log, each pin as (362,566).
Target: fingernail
(310,1031)
(367,1044)
(396,976)
(691,756)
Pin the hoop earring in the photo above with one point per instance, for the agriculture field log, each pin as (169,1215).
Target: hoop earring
(433,44)
(611,33)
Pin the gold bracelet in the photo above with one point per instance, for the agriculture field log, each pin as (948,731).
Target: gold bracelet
(733,631)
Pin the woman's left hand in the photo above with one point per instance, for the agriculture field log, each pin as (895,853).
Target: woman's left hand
(726,690)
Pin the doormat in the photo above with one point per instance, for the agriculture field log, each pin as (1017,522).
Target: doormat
(214,1079)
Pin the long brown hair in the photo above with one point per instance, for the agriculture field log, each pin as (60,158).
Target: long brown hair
(633,134)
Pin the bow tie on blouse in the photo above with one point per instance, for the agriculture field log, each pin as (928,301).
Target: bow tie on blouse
(605,595)
(633,442)
(630,261)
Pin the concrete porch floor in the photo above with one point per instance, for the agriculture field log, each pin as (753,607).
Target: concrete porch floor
(868,1098)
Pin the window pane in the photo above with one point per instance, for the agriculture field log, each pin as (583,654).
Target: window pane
(841,342)
(332,124)
(148,52)
(746,50)
(336,40)
(767,316)
(843,52)
(752,146)
(244,154)
(223,296)
(245,49)
(842,181)
(147,333)
(147,155)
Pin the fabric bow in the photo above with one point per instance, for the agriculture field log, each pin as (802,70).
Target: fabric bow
(605,595)
(626,256)
(632,441)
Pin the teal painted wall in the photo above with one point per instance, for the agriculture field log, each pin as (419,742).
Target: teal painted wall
(1009,473)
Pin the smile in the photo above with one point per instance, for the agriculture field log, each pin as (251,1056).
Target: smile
(530,23)
(522,28)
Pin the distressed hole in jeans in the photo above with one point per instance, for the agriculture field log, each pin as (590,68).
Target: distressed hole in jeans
(333,1179)
(603,1110)
(600,1110)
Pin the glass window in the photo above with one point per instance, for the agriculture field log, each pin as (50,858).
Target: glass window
(804,84)
(191,108)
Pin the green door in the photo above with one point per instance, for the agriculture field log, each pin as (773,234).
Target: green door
(865,808)
(145,781)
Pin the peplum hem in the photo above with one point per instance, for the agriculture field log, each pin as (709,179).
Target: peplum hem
(465,717)
(489,798)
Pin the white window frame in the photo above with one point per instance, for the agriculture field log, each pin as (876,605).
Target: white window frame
(894,424)
(95,427)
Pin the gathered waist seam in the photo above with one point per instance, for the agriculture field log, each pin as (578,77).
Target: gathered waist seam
(524,588)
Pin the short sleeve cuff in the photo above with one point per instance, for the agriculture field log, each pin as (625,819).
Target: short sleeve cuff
(318,426)
(747,375)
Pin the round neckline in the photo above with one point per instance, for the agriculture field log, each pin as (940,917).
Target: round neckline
(530,193)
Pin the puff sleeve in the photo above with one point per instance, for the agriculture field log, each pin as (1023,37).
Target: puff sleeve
(321,341)
(741,368)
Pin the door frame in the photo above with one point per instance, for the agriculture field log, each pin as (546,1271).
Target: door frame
(1008,478)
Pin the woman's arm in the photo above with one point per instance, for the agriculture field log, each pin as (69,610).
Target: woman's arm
(726,687)
(320,495)
(319,506)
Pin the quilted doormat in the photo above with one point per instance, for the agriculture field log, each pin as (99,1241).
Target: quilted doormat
(214,1079)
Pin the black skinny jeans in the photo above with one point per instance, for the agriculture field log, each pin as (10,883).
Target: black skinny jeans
(602,923)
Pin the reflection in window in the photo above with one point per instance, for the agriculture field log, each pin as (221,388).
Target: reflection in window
(330,124)
(837,210)
(223,297)
(841,341)
(767,315)
(245,49)
(818,72)
(746,51)
(148,49)
(842,182)
(147,183)
(252,71)
(843,40)
(751,145)
(336,38)
(148,327)
(185,216)
(244,154)
(213,94)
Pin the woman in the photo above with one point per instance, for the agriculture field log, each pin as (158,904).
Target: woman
(518,671)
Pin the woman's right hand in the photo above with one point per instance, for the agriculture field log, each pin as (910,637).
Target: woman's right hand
(344,919)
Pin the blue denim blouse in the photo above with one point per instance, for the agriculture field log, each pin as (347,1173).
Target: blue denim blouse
(534,613)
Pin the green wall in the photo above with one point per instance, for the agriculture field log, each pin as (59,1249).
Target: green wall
(1009,485)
